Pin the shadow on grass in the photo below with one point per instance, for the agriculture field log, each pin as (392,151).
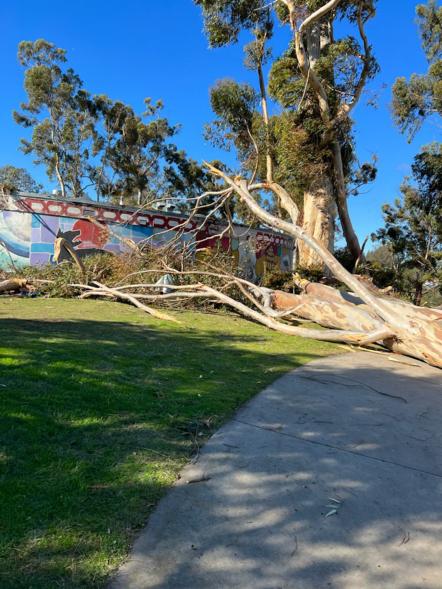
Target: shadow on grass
(97,417)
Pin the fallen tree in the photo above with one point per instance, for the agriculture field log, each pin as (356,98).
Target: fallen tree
(361,315)
(356,313)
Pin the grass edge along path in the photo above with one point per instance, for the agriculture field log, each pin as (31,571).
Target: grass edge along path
(101,406)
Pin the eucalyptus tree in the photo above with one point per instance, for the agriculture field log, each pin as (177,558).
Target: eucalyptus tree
(308,149)
(420,97)
(58,110)
(413,225)
(135,160)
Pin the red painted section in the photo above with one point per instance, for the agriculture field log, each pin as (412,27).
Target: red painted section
(90,235)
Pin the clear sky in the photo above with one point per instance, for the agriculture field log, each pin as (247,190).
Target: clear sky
(136,48)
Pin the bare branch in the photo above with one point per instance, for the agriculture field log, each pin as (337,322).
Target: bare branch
(336,268)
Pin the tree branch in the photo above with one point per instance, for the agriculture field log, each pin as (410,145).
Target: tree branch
(241,188)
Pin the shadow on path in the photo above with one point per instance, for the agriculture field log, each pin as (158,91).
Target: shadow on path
(358,429)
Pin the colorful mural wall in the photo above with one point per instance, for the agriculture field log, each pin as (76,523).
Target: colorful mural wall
(29,226)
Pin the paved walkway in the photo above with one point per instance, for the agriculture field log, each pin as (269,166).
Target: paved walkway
(358,432)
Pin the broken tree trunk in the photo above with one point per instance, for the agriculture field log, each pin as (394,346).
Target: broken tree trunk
(408,331)
(332,308)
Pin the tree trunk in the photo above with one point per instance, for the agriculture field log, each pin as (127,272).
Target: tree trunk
(422,339)
(319,210)
(418,294)
(60,179)
(309,43)
(318,221)
(341,202)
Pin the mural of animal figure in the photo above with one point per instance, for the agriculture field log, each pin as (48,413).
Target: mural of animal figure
(83,235)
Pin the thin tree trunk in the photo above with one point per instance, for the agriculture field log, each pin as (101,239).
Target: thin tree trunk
(265,114)
(341,202)
(418,294)
(60,178)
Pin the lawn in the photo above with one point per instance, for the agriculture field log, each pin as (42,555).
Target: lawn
(100,407)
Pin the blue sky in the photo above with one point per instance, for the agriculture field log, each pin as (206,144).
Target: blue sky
(138,48)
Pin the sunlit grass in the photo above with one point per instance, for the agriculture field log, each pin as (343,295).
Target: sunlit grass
(100,407)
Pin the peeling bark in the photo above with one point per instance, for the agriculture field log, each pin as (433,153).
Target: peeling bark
(318,221)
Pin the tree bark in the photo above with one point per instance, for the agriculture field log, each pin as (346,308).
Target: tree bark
(329,309)
(318,221)
(309,40)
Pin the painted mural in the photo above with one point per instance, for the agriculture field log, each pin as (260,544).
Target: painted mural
(29,226)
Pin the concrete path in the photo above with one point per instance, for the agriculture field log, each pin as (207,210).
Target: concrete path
(359,429)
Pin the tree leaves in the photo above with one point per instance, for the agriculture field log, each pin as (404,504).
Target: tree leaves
(420,97)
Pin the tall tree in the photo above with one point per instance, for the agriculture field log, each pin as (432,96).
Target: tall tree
(59,113)
(136,161)
(317,81)
(18,180)
(418,98)
(413,225)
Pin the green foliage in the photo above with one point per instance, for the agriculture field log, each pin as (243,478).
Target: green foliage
(430,22)
(101,407)
(59,112)
(413,225)
(234,104)
(414,101)
(225,19)
(286,85)
(418,98)
(296,162)
(297,138)
(132,149)
(15,179)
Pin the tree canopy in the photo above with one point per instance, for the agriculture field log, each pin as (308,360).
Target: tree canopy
(420,97)
(413,225)
(18,180)
(314,83)
(59,112)
(91,141)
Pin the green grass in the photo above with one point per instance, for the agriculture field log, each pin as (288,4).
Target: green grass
(100,407)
